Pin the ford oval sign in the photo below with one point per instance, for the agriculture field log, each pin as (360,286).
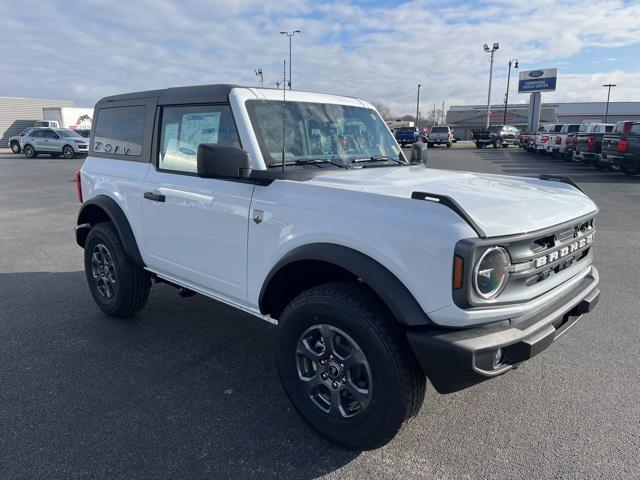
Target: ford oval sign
(536,73)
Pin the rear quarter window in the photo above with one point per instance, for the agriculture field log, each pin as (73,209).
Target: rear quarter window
(119,131)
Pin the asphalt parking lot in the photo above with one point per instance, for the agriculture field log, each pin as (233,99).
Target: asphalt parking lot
(189,388)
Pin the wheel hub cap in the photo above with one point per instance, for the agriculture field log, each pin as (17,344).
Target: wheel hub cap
(103,271)
(334,371)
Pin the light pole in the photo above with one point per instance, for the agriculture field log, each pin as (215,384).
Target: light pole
(290,35)
(258,73)
(492,51)
(506,97)
(418,108)
(606,113)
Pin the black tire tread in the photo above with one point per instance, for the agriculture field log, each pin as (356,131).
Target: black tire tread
(380,320)
(134,281)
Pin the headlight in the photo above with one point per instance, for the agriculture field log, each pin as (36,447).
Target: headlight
(491,272)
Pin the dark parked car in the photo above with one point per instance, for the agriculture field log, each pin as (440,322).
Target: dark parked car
(589,143)
(621,149)
(497,135)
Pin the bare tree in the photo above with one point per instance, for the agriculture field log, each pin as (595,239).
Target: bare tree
(384,111)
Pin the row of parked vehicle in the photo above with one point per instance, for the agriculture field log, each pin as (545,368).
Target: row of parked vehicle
(436,135)
(33,141)
(603,145)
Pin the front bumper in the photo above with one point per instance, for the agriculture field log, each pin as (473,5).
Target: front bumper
(457,359)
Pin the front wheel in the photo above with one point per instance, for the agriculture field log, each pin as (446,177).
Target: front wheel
(119,286)
(346,366)
(478,145)
(15,147)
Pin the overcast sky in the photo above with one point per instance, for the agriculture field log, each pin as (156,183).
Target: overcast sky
(378,50)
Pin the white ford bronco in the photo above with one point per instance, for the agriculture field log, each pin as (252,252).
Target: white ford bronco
(303,211)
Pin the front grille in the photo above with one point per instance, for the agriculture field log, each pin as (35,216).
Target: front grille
(537,259)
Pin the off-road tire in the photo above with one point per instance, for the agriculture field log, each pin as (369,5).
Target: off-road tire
(397,382)
(132,282)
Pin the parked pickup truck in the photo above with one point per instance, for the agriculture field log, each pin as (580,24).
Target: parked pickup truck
(440,136)
(621,148)
(543,137)
(557,145)
(589,143)
(406,135)
(497,135)
(377,272)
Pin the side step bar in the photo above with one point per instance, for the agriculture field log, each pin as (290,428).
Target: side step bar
(453,205)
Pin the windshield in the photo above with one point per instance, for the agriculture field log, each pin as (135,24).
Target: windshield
(495,129)
(406,129)
(317,131)
(64,133)
(440,129)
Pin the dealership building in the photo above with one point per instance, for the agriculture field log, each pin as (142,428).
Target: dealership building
(466,119)
(16,114)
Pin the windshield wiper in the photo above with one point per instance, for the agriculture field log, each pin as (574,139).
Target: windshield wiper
(310,161)
(378,159)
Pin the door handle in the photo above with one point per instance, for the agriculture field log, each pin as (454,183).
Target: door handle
(156,197)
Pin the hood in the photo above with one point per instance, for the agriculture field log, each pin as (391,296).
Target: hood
(499,204)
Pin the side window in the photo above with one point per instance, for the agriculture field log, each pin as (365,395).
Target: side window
(49,134)
(184,128)
(36,134)
(635,129)
(120,131)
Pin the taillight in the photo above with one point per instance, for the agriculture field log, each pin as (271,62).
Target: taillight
(622,145)
(590,141)
(79,186)
(558,140)
(544,139)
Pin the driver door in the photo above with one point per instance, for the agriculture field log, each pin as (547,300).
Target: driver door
(196,229)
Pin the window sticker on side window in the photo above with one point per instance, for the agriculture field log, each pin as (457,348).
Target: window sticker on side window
(197,128)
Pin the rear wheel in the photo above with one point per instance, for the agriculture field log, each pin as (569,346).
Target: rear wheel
(449,145)
(346,365)
(119,286)
(598,164)
(630,167)
(478,145)
(30,152)
(68,152)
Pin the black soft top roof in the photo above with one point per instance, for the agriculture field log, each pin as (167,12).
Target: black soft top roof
(178,95)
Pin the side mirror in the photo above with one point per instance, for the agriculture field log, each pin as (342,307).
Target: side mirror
(222,161)
(419,153)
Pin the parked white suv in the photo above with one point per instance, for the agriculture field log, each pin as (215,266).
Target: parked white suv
(306,214)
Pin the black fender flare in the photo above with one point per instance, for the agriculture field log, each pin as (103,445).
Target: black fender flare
(116,216)
(385,284)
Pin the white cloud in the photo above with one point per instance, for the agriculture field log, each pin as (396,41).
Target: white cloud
(86,50)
